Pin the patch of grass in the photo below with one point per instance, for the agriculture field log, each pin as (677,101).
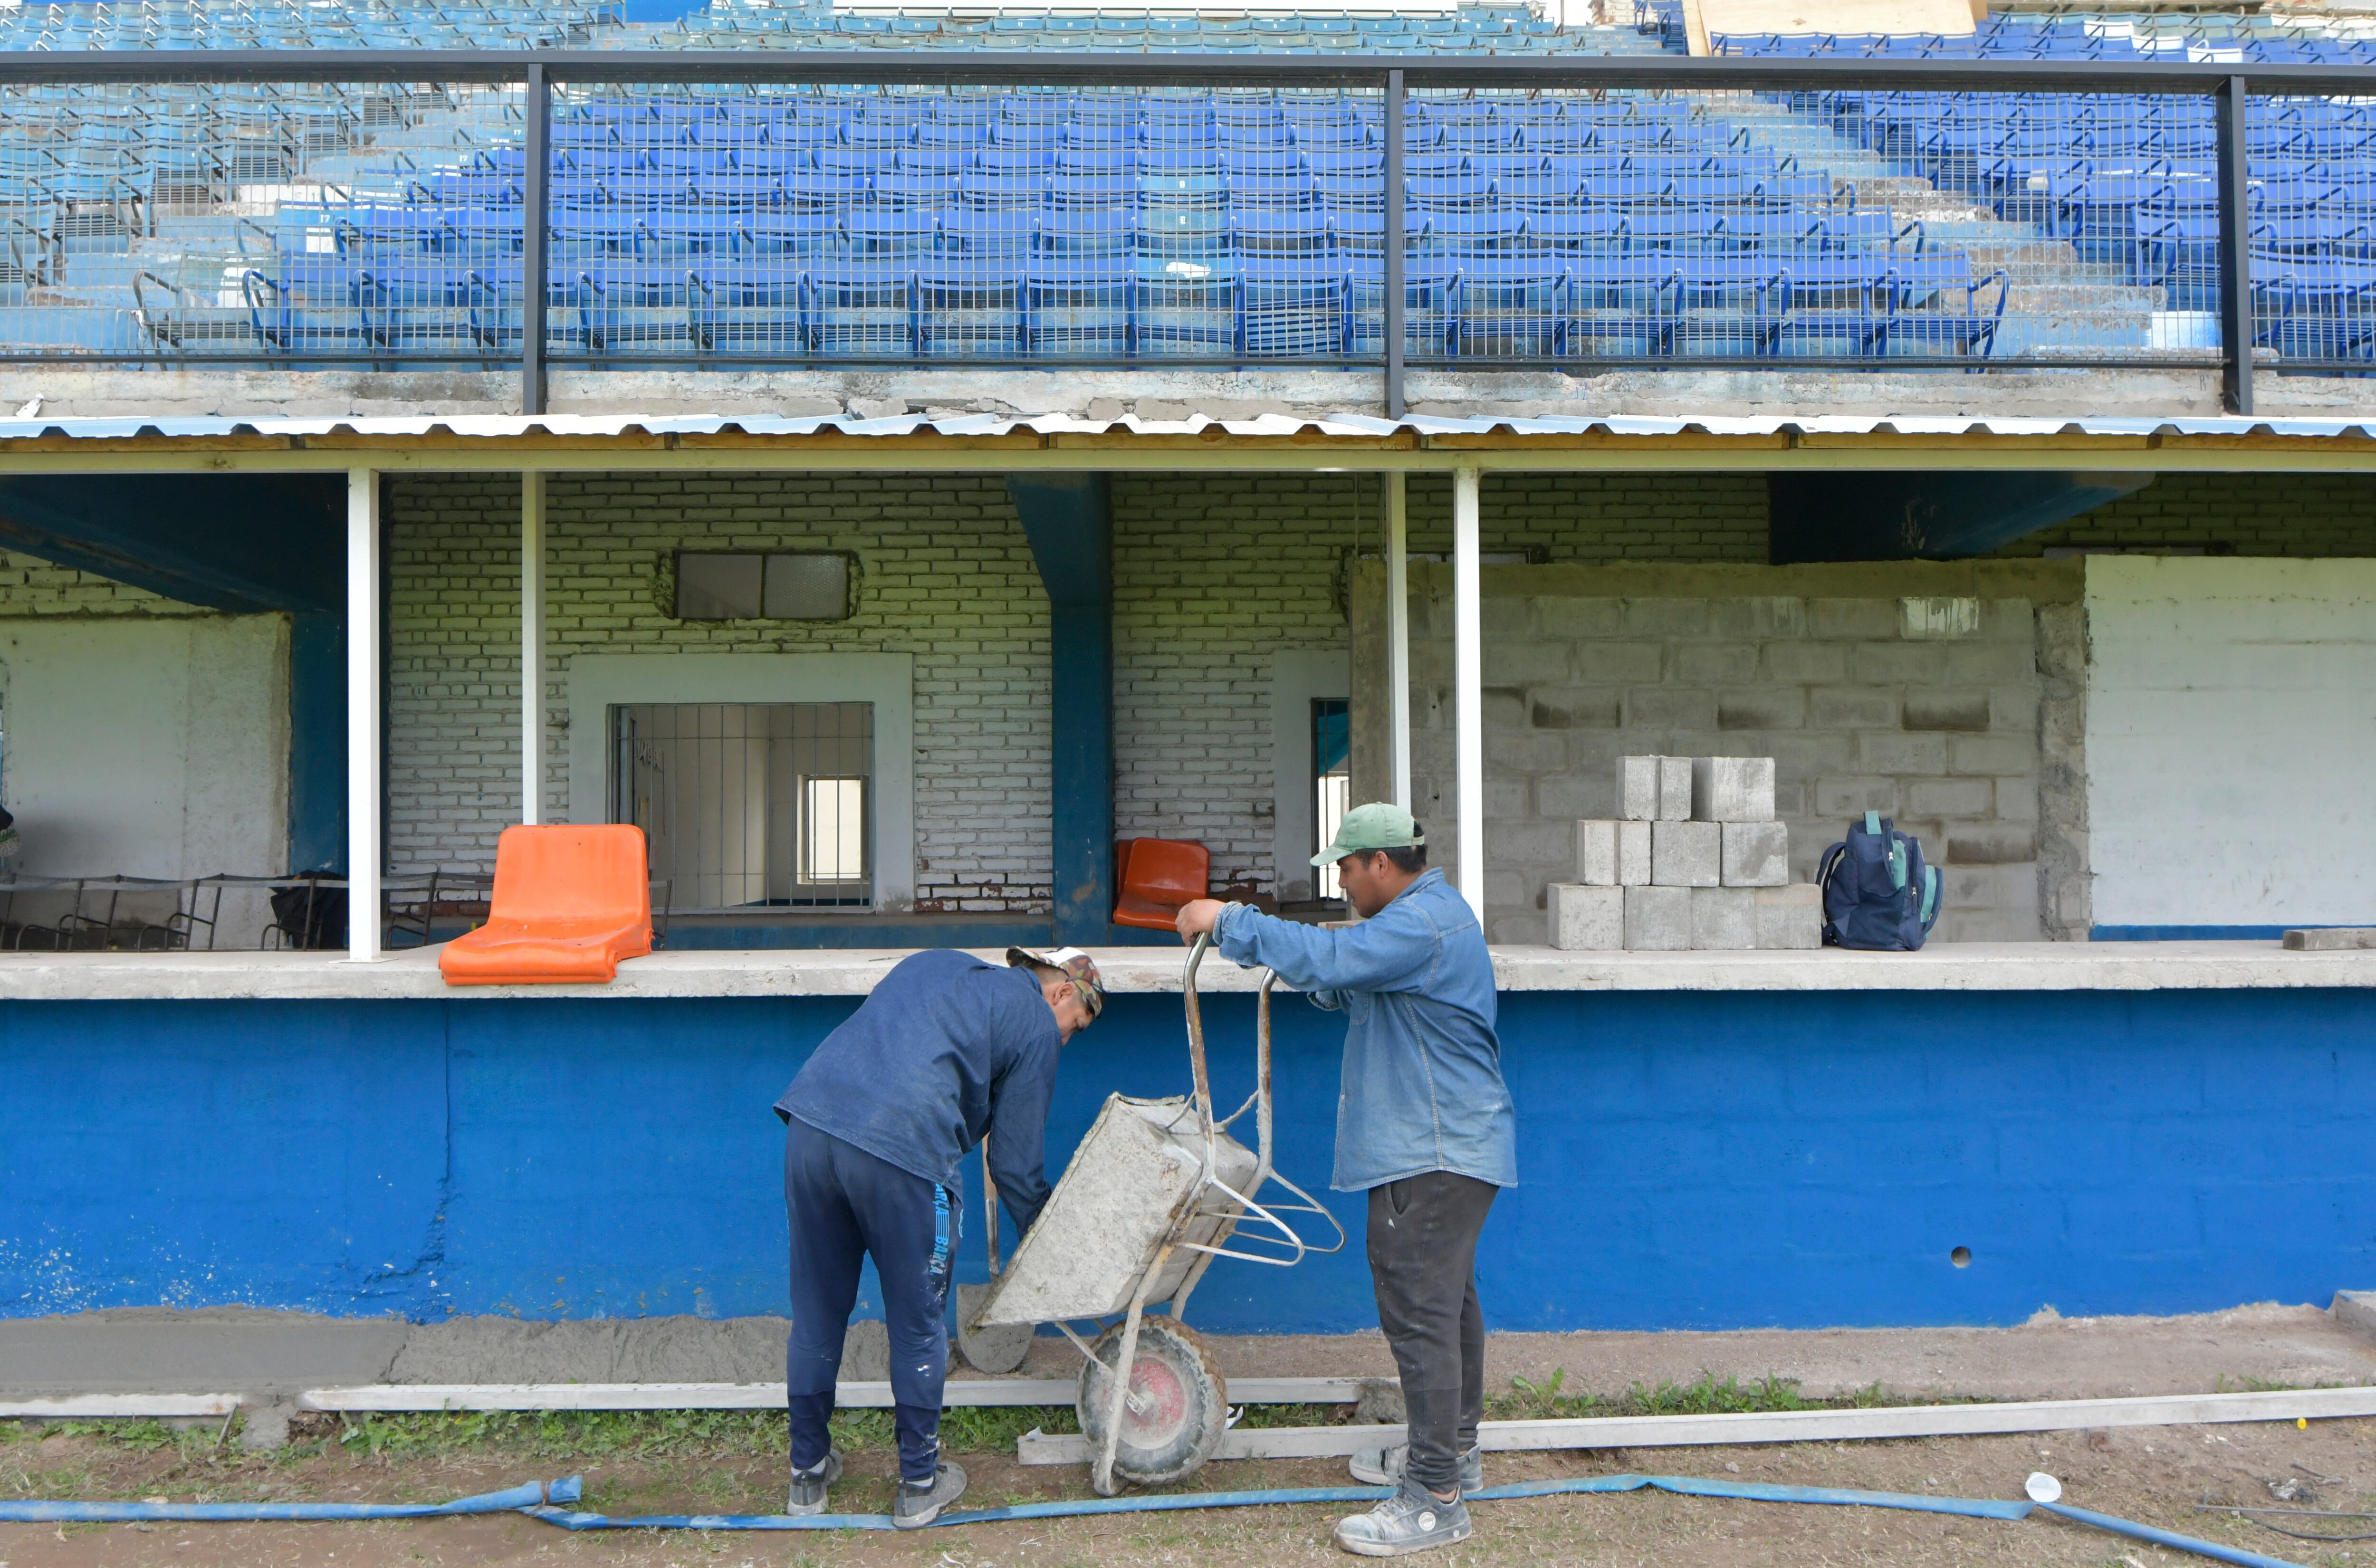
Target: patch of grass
(1706,1396)
(131,1436)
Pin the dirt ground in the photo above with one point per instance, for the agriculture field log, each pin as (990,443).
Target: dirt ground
(2151,1474)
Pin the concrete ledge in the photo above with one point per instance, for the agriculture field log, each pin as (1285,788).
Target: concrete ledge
(1972,966)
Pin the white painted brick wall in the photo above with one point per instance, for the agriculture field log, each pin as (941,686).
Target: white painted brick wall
(30,586)
(945,574)
(1214,579)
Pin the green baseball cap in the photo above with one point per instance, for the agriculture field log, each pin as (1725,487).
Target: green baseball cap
(1378,826)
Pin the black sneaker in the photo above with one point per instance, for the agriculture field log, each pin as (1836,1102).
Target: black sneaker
(808,1486)
(918,1505)
(1413,1519)
(1384,1466)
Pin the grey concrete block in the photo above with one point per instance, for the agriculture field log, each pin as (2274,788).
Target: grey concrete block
(1657,920)
(2332,939)
(1723,920)
(1612,854)
(1687,854)
(1732,789)
(1587,919)
(1654,789)
(1789,917)
(1756,854)
(2355,1309)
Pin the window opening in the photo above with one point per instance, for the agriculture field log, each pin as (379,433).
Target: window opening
(750,803)
(1332,782)
(803,586)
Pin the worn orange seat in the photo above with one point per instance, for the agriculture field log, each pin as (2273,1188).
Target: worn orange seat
(569,903)
(1157,877)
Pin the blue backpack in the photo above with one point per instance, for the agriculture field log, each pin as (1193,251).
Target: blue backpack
(1877,892)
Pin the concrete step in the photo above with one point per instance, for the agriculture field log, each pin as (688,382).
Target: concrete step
(2089,299)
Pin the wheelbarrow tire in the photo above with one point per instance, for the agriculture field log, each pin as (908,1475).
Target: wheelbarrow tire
(1184,1403)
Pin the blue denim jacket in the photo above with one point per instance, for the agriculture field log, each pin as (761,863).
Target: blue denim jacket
(1422,1087)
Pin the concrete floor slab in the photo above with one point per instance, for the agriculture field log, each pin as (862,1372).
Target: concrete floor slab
(275,1354)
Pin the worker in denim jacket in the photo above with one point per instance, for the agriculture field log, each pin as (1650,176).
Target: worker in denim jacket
(1424,1126)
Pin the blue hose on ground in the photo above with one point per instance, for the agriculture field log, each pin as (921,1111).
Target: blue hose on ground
(532,1496)
(1973,1507)
(536,1500)
(2166,1537)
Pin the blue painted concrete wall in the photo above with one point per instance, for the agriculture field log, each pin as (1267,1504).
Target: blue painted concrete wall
(1691,1160)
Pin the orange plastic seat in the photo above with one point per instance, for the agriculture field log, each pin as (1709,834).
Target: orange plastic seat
(569,903)
(1160,875)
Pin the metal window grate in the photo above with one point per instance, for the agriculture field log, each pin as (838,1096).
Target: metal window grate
(751,804)
(1332,782)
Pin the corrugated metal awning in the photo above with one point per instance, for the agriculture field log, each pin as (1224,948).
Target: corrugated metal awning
(1274,441)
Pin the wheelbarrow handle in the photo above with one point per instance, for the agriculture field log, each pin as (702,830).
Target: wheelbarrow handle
(1205,1111)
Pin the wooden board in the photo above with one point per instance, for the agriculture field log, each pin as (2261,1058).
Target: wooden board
(1784,1426)
(985,1391)
(95,1406)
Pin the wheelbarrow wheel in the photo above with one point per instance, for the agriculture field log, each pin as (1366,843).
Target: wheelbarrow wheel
(1178,1409)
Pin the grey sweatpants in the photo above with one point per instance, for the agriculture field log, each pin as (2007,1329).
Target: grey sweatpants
(1423,1234)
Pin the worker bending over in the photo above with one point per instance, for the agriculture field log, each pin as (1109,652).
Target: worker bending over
(1424,1125)
(948,1050)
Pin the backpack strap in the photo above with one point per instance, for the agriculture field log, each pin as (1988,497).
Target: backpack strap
(1873,823)
(1929,896)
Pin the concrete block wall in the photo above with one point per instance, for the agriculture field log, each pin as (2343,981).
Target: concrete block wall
(1809,665)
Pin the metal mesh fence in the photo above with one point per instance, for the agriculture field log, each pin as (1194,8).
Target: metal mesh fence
(2310,227)
(372,225)
(359,223)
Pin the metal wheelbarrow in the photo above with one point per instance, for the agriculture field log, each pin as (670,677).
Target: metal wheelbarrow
(1155,1192)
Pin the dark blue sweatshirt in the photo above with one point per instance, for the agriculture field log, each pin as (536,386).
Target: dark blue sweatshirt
(947,1048)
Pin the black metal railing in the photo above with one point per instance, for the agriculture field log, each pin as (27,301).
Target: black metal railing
(612,209)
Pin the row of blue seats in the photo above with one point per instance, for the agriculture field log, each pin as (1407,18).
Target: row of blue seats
(2048,46)
(1454,309)
(1008,193)
(1245,233)
(1150,137)
(1121,165)
(1079,25)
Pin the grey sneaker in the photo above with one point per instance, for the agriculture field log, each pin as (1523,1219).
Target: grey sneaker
(1384,1466)
(808,1486)
(1411,1520)
(920,1506)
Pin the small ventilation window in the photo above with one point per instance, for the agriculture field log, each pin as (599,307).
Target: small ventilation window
(806,585)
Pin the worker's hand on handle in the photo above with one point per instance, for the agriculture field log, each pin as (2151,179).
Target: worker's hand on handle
(1197,917)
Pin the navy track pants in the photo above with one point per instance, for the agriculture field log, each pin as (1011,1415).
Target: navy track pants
(844,1205)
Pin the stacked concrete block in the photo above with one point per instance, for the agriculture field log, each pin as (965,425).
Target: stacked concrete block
(1587,919)
(1756,854)
(1789,917)
(1697,854)
(1723,920)
(1658,920)
(1612,853)
(1687,854)
(1654,788)
(1732,789)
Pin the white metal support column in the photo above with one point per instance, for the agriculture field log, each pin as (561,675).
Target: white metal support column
(1468,689)
(531,646)
(362,715)
(1398,640)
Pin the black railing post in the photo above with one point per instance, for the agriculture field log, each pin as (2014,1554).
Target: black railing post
(1391,242)
(536,198)
(2234,246)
